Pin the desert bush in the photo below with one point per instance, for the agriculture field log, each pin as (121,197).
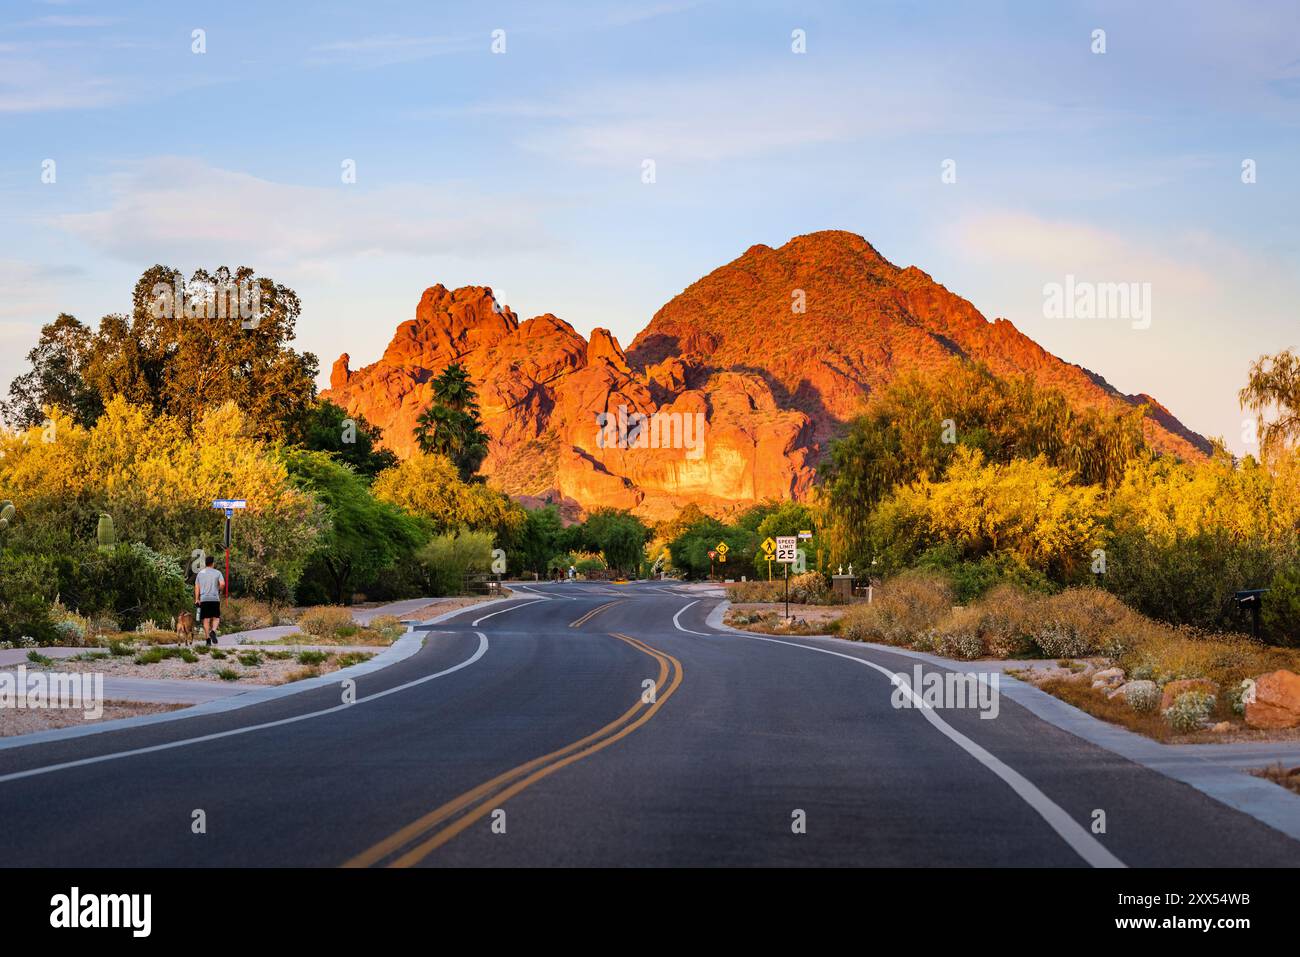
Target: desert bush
(311,657)
(1005,616)
(1142,695)
(754,591)
(960,635)
(390,626)
(1077,622)
(905,609)
(327,621)
(1164,653)
(1237,697)
(1189,711)
(245,614)
(810,588)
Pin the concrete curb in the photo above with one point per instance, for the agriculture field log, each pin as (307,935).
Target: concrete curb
(1218,774)
(399,650)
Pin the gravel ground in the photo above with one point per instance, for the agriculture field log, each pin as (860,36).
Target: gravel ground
(27,720)
(268,672)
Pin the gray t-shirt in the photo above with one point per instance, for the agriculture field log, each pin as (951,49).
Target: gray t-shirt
(209,581)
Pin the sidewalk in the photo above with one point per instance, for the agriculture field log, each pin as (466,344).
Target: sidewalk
(362,616)
(186,691)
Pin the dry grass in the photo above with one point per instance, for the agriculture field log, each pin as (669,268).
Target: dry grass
(808,588)
(328,621)
(1287,777)
(808,619)
(28,720)
(915,610)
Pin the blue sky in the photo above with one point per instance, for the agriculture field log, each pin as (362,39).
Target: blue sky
(522,170)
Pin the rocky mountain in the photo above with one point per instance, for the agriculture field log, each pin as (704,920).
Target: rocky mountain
(769,354)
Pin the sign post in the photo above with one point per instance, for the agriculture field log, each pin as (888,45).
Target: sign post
(228,505)
(787,547)
(769,549)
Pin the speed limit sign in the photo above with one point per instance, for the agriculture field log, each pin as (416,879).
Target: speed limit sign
(786,547)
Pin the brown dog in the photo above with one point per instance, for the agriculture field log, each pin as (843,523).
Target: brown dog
(185,628)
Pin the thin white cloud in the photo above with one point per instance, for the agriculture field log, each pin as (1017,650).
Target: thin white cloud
(179,209)
(388,49)
(28,86)
(710,118)
(1037,246)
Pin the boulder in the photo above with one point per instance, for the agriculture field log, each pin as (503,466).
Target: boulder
(1277,701)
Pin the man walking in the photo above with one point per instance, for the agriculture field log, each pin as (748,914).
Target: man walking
(208,585)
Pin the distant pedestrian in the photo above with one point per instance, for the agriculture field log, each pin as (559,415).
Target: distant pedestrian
(208,585)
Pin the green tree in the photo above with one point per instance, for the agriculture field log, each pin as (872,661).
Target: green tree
(618,535)
(366,536)
(538,540)
(917,425)
(451,424)
(186,355)
(56,377)
(1274,385)
(327,427)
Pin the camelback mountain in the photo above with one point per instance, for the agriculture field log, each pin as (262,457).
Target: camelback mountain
(776,350)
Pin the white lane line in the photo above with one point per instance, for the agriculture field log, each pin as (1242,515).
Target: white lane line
(476,621)
(1070,831)
(32,772)
(678,624)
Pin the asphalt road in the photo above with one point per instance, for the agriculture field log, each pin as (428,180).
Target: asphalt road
(588,724)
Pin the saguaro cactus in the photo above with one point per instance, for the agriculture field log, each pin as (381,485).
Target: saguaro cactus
(106,533)
(7,512)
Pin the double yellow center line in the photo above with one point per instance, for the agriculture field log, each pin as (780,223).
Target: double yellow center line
(414,842)
(594,612)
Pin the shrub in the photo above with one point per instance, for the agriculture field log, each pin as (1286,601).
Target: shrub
(71,631)
(189,657)
(36,658)
(390,626)
(1142,695)
(1189,711)
(1237,697)
(327,621)
(1077,622)
(1006,613)
(904,611)
(810,588)
(959,636)
(227,674)
(250,659)
(245,614)
(312,657)
(352,658)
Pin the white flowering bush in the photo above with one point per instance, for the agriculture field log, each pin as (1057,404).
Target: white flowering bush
(1142,695)
(1189,711)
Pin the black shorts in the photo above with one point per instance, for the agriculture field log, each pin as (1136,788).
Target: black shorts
(209,609)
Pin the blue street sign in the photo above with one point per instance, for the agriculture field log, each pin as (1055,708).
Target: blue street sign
(229,503)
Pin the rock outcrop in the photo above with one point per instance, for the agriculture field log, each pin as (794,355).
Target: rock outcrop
(744,377)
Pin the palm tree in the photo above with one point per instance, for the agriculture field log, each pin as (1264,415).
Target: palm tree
(451,424)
